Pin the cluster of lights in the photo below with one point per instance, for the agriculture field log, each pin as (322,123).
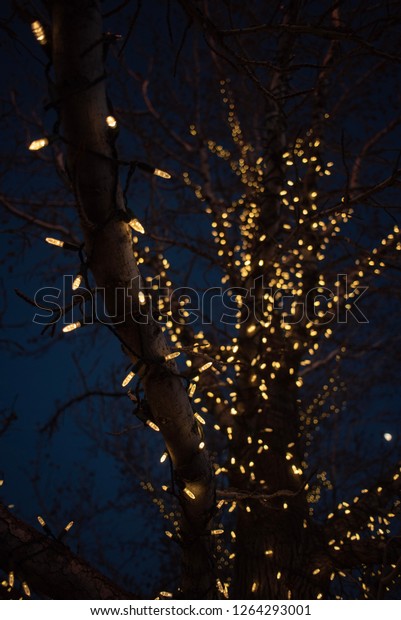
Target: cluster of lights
(280,351)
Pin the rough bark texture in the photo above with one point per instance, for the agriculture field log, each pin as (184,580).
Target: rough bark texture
(93,170)
(48,566)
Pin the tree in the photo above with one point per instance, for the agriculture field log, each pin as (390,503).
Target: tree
(284,155)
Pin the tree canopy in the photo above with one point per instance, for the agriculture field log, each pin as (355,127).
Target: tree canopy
(210,330)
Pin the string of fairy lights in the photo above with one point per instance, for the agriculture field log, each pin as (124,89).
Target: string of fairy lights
(265,354)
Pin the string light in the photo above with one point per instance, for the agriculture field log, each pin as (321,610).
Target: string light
(111,122)
(38,144)
(152,425)
(132,373)
(56,242)
(66,245)
(72,326)
(191,390)
(189,493)
(152,170)
(26,589)
(77,281)
(136,225)
(128,378)
(205,367)
(161,173)
(171,356)
(39,32)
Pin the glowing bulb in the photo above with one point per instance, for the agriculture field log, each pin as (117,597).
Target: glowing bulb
(191,390)
(41,521)
(68,526)
(141,297)
(163,457)
(11,579)
(171,356)
(152,425)
(189,493)
(128,378)
(52,241)
(26,589)
(38,32)
(161,173)
(36,145)
(136,225)
(72,326)
(111,121)
(388,436)
(77,282)
(205,366)
(199,418)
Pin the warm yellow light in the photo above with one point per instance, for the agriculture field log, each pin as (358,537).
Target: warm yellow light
(191,390)
(38,32)
(26,589)
(136,225)
(152,425)
(205,366)
(36,145)
(171,356)
(128,378)
(72,326)
(189,493)
(199,418)
(388,436)
(69,526)
(52,241)
(77,282)
(41,521)
(141,297)
(163,457)
(161,173)
(111,121)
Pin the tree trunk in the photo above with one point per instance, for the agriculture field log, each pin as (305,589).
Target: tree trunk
(93,169)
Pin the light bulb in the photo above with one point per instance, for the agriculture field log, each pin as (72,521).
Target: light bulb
(39,32)
(171,356)
(52,241)
(136,225)
(111,121)
(36,145)
(152,425)
(161,173)
(205,366)
(128,378)
(72,326)
(77,282)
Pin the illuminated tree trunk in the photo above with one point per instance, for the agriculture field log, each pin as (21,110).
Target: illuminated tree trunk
(93,168)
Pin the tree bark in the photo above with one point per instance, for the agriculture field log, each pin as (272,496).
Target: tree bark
(93,168)
(49,568)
